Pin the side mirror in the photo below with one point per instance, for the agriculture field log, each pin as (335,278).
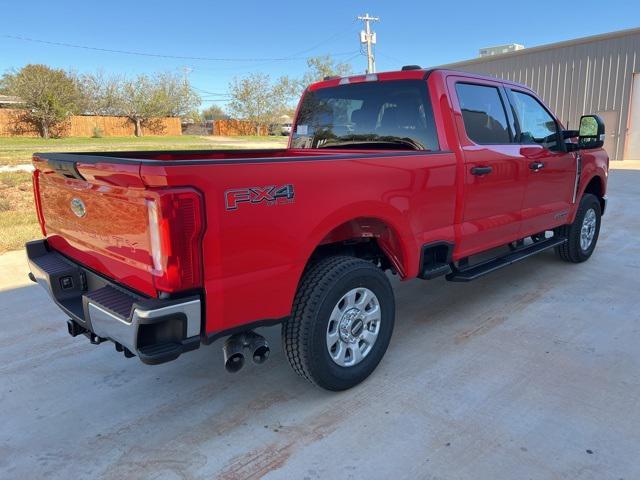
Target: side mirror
(591,134)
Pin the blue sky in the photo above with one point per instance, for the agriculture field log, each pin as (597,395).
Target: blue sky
(254,34)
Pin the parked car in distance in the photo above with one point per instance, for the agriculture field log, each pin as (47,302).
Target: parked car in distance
(417,173)
(286,129)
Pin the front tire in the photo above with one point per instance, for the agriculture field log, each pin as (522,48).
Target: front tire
(582,234)
(341,322)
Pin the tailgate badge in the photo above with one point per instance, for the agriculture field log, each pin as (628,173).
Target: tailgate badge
(77,207)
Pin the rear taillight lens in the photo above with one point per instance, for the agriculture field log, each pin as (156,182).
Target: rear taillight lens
(176,226)
(38,201)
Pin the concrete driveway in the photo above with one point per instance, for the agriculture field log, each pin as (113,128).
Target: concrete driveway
(530,373)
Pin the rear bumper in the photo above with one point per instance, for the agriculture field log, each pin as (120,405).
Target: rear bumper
(156,330)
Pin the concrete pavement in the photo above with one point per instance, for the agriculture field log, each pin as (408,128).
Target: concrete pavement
(531,373)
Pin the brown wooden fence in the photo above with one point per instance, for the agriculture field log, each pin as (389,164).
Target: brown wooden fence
(12,124)
(232,128)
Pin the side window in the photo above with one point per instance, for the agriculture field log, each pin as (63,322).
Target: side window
(485,119)
(537,126)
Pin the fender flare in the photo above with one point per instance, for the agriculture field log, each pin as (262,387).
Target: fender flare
(407,250)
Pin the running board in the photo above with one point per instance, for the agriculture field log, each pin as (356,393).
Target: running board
(476,271)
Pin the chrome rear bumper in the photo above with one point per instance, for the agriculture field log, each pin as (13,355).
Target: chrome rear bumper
(156,330)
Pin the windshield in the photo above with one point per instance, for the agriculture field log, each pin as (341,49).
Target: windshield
(388,115)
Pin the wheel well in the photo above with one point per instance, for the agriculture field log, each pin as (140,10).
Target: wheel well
(367,238)
(595,188)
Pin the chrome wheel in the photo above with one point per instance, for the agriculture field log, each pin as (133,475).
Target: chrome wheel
(353,327)
(588,230)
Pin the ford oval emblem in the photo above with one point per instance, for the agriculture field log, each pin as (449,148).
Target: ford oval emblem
(77,207)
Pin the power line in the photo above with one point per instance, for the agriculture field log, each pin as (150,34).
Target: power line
(294,56)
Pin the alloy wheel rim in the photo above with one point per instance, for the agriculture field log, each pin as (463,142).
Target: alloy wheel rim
(353,327)
(588,229)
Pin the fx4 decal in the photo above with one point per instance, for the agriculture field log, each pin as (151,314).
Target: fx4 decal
(270,195)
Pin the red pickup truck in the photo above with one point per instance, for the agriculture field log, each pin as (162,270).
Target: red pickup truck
(413,172)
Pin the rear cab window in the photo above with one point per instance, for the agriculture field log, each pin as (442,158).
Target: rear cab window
(382,115)
(483,114)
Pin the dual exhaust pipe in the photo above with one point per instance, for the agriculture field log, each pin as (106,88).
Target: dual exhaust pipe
(235,346)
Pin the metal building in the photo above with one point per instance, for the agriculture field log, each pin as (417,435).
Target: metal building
(598,74)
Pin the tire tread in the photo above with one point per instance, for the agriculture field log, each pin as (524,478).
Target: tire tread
(315,283)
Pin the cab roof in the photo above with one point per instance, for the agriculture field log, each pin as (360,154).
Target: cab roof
(411,73)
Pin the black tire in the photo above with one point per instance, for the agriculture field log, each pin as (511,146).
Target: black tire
(304,333)
(572,251)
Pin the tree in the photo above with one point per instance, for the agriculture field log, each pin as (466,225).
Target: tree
(143,99)
(324,66)
(99,94)
(214,112)
(251,99)
(257,99)
(50,95)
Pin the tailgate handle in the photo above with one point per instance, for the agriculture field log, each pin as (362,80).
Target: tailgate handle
(65,168)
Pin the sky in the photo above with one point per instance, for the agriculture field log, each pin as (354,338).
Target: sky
(227,39)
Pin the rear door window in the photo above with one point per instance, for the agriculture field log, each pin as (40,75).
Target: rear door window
(483,113)
(381,115)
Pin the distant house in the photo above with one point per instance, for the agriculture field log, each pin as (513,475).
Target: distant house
(8,101)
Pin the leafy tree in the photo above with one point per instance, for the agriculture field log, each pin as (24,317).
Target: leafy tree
(324,66)
(99,94)
(214,112)
(252,100)
(50,95)
(257,99)
(143,99)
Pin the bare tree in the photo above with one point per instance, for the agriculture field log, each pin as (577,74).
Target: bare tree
(50,95)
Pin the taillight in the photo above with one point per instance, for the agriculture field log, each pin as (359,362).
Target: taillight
(38,201)
(176,226)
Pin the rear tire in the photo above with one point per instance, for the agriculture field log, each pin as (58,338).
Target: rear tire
(582,234)
(341,322)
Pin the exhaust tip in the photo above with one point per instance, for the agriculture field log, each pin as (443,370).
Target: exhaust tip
(261,353)
(234,363)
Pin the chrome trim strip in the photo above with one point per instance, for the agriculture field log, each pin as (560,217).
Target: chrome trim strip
(578,173)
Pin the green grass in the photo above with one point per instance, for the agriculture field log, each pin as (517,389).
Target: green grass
(18,150)
(18,222)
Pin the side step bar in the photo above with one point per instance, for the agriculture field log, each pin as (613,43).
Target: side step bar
(476,271)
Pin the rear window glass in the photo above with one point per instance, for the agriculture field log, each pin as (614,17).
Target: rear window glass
(380,115)
(485,120)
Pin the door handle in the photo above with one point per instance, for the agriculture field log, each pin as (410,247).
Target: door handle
(536,166)
(481,170)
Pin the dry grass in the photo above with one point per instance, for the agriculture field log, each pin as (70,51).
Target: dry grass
(18,222)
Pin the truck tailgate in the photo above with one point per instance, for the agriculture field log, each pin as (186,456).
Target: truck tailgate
(100,219)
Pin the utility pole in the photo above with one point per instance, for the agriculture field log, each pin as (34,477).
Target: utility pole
(369,37)
(185,74)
